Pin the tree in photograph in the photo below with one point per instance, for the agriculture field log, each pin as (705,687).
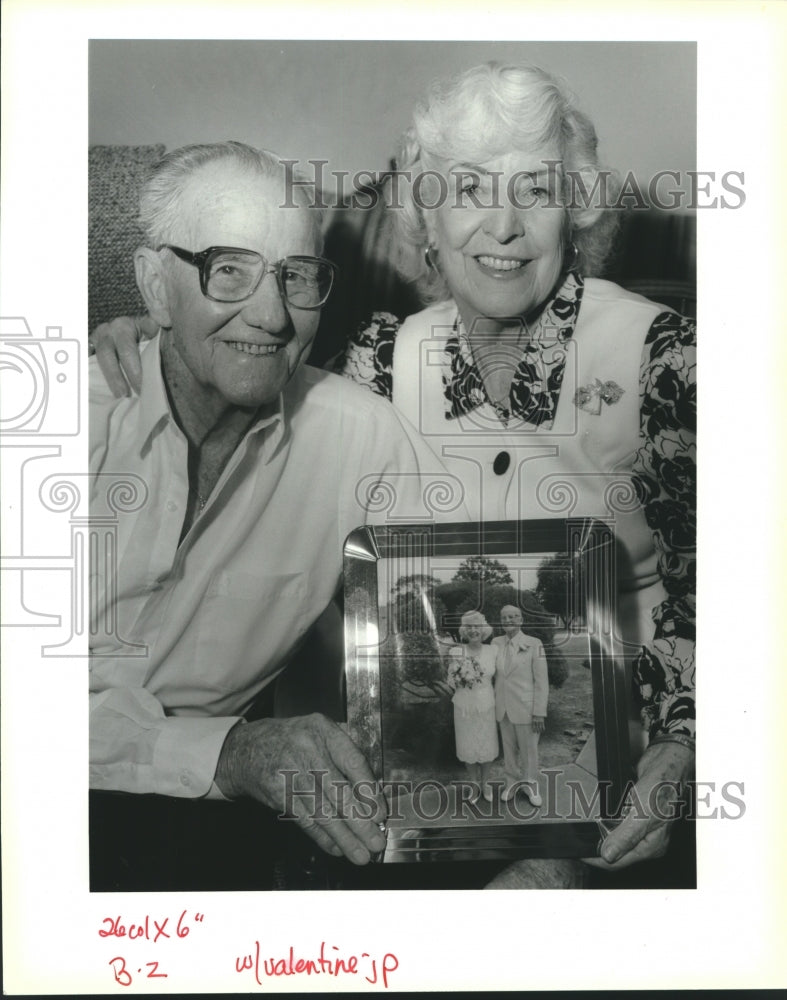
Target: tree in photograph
(554,588)
(482,570)
(414,617)
(415,608)
(423,674)
(415,583)
(418,718)
(458,594)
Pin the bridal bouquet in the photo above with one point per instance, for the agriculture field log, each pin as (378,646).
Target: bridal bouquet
(465,673)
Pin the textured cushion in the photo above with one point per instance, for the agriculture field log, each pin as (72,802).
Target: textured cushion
(115,174)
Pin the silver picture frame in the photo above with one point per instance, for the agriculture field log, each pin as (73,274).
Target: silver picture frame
(393,685)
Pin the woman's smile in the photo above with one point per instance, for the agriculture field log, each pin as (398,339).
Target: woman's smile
(501,267)
(499,259)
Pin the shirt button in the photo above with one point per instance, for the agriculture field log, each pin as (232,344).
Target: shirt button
(501,463)
(171,505)
(185,780)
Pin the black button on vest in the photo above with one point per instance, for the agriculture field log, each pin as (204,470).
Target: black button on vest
(501,463)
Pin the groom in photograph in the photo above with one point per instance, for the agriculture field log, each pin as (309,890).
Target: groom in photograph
(521,693)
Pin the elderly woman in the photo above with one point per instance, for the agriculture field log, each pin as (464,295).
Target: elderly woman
(471,668)
(546,391)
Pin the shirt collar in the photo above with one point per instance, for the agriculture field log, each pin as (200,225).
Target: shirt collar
(153,402)
(536,384)
(519,639)
(155,410)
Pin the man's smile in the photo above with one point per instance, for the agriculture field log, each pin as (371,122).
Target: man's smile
(246,348)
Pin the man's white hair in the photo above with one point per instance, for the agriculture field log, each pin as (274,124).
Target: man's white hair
(160,197)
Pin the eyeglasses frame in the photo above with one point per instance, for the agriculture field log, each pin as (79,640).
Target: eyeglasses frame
(200,258)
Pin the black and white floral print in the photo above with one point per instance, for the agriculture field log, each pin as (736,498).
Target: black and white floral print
(368,359)
(535,388)
(665,478)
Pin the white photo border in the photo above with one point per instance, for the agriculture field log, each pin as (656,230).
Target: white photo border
(51,922)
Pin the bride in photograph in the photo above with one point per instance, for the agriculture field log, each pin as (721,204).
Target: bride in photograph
(471,668)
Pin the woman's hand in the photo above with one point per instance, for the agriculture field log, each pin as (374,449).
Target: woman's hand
(644,833)
(116,346)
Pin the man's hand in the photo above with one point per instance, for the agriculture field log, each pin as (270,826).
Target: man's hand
(342,818)
(644,833)
(116,346)
(538,723)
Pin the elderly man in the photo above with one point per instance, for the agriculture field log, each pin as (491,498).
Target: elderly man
(251,470)
(521,693)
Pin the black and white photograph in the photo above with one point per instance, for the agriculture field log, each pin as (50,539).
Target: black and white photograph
(485,692)
(488,283)
(349,431)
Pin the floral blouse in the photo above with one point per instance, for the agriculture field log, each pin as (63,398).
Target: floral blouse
(664,473)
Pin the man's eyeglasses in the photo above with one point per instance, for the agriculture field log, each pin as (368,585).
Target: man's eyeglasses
(229,274)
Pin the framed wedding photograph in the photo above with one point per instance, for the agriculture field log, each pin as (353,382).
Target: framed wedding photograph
(410,592)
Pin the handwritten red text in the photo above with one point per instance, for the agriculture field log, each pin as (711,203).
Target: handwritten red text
(151,929)
(327,964)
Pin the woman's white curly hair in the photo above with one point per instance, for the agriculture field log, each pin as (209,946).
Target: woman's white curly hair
(485,112)
(474,618)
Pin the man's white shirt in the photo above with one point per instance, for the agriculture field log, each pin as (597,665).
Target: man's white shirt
(186,635)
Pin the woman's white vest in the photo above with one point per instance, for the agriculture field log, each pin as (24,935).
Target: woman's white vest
(579,467)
